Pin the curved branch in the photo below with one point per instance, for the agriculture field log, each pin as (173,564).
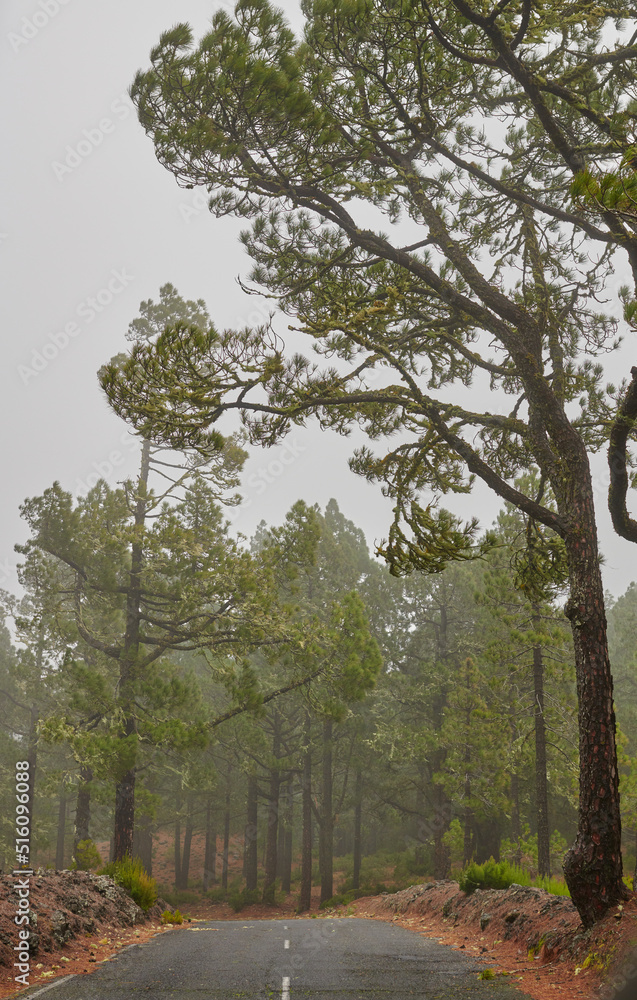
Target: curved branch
(623,523)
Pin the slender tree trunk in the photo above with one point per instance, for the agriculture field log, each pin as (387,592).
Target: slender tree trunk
(59,848)
(419,851)
(467,846)
(185,857)
(286,867)
(593,865)
(210,852)
(326,832)
(273,817)
(358,844)
(541,783)
(226,830)
(250,836)
(82,809)
(305,900)
(125,785)
(178,804)
(515,815)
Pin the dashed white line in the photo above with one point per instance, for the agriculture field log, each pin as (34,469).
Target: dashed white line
(286,944)
(285,991)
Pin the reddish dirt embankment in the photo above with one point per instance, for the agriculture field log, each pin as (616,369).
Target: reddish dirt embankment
(533,937)
(76,920)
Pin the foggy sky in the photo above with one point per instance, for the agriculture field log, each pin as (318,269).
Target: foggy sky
(90,225)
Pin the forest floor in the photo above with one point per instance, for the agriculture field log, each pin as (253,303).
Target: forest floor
(531,936)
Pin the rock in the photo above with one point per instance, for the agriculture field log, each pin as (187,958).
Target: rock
(511,916)
(485,920)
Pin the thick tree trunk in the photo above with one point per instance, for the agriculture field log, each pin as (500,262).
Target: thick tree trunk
(326,832)
(358,844)
(488,836)
(143,843)
(59,848)
(593,865)
(250,836)
(541,783)
(305,900)
(226,830)
(210,851)
(125,786)
(124,816)
(83,808)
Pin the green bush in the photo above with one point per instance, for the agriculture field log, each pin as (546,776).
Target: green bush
(87,857)
(132,877)
(490,875)
(500,875)
(171,918)
(239,900)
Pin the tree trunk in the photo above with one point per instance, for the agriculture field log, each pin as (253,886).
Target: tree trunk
(83,808)
(488,835)
(515,815)
(185,857)
(178,804)
(210,852)
(143,843)
(59,849)
(226,831)
(541,784)
(358,809)
(326,830)
(250,836)
(286,867)
(467,846)
(125,786)
(305,900)
(273,827)
(593,865)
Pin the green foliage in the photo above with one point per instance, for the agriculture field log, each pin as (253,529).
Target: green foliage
(490,875)
(171,918)
(131,875)
(500,875)
(239,900)
(87,857)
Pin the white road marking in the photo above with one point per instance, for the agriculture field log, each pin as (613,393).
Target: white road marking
(285,992)
(51,986)
(286,944)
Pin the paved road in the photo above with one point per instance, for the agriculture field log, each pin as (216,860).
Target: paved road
(347,959)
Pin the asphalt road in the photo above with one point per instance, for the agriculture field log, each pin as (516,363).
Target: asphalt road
(352,959)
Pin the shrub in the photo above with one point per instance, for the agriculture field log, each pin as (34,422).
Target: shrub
(171,918)
(490,875)
(238,900)
(132,877)
(87,857)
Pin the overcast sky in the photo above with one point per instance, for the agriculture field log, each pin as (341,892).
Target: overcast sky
(90,225)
